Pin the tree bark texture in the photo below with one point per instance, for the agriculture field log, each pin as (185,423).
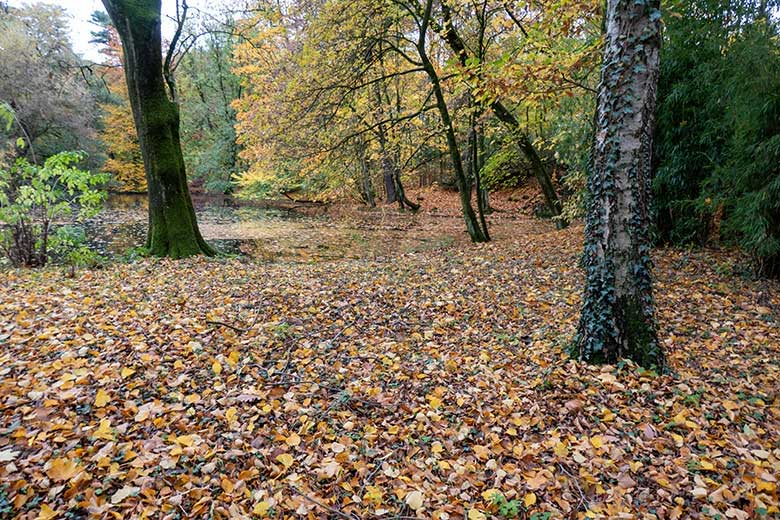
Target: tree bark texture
(173,228)
(617,319)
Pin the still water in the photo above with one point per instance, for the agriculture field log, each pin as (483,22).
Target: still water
(274,233)
(230,225)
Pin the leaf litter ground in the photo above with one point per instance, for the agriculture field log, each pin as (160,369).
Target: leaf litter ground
(432,384)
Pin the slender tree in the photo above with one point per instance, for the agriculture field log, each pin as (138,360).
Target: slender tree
(173,228)
(477,229)
(617,318)
(457,45)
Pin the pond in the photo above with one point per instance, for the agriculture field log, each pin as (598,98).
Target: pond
(272,231)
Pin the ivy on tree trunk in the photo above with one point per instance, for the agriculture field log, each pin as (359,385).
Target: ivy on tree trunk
(617,318)
(173,228)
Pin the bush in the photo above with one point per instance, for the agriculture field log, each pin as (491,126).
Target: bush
(33,198)
(717,143)
(505,168)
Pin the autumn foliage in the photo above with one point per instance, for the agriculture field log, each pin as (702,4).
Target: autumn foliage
(422,386)
(124,162)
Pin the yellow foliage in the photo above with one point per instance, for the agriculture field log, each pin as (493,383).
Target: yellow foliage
(125,162)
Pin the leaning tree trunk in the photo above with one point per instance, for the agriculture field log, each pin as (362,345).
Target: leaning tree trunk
(617,318)
(524,144)
(473,227)
(173,228)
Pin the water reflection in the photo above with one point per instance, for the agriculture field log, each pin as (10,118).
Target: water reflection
(122,225)
(273,232)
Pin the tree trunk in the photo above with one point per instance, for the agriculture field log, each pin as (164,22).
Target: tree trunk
(366,186)
(538,168)
(464,186)
(475,164)
(173,228)
(617,318)
(387,175)
(392,176)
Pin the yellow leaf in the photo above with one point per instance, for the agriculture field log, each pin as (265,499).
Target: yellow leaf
(234,357)
(293,440)
(230,414)
(216,367)
(46,513)
(63,469)
(104,431)
(482,452)
(286,459)
(476,514)
(434,402)
(185,440)
(436,447)
(126,372)
(529,499)
(561,450)
(597,441)
(261,508)
(227,486)
(414,499)
(488,495)
(102,398)
(706,465)
(373,494)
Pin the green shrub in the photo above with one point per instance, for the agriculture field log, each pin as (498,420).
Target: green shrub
(32,200)
(717,142)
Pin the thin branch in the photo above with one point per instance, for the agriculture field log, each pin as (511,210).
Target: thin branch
(167,71)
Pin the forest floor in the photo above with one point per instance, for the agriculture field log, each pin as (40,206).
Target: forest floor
(424,384)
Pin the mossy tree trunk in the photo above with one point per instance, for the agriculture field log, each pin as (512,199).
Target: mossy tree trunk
(617,318)
(173,228)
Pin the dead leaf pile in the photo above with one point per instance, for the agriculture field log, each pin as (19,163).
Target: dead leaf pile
(426,385)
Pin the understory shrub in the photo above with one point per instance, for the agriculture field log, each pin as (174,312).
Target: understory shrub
(35,199)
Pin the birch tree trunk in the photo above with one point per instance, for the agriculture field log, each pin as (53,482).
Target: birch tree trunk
(173,228)
(617,318)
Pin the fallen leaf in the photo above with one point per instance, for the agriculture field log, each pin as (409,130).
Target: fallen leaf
(286,459)
(102,398)
(414,499)
(46,513)
(293,439)
(104,431)
(8,455)
(475,514)
(63,469)
(123,493)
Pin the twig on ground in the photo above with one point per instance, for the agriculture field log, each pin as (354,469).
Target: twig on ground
(239,330)
(326,507)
